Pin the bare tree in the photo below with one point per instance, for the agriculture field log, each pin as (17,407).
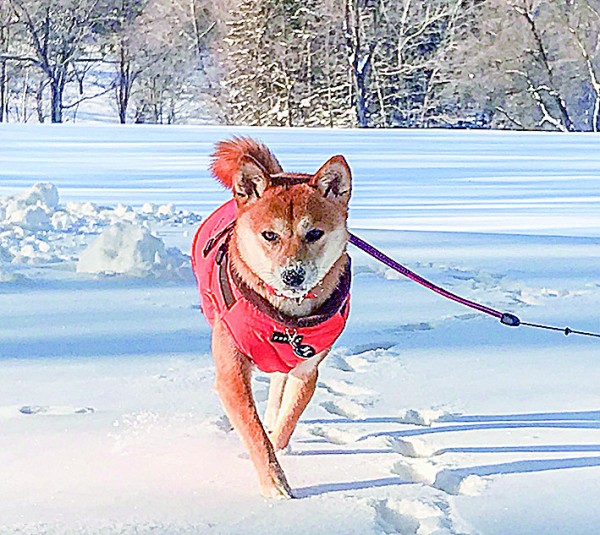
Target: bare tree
(531,64)
(60,33)
(360,52)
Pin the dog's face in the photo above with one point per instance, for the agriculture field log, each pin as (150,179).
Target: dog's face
(290,236)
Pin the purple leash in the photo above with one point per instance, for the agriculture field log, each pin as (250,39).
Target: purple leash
(505,318)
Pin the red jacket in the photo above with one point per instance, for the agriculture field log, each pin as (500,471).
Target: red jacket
(275,342)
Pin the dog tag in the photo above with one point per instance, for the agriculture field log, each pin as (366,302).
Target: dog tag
(304,351)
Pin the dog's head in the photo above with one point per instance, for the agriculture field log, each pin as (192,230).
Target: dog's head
(291,228)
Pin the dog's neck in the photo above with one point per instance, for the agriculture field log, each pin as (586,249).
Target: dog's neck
(288,305)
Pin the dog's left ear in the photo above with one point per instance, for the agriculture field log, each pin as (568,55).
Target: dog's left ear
(250,181)
(334,179)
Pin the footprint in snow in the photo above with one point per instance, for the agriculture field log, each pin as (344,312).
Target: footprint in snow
(459,482)
(451,481)
(55,411)
(411,517)
(345,388)
(364,348)
(360,362)
(424,417)
(339,363)
(344,408)
(222,423)
(417,327)
(416,471)
(410,447)
(334,436)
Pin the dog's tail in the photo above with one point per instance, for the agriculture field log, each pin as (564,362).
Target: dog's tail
(228,155)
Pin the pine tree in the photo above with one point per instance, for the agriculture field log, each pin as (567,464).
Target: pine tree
(283,65)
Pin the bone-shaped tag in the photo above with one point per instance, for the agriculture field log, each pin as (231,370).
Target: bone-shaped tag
(301,350)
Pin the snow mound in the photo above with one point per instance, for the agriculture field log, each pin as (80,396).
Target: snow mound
(36,230)
(129,249)
(43,194)
(30,209)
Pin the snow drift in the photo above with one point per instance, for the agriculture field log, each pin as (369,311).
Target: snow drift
(35,229)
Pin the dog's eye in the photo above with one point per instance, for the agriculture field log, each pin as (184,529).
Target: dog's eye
(314,235)
(269,235)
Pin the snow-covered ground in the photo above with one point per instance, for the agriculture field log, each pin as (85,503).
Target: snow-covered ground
(428,418)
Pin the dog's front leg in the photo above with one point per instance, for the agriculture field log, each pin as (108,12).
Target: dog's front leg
(233,371)
(276,386)
(299,389)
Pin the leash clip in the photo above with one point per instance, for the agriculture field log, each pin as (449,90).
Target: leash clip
(510,319)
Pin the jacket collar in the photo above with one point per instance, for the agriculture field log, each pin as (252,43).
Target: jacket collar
(335,302)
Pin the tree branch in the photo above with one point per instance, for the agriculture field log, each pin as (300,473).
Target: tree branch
(89,97)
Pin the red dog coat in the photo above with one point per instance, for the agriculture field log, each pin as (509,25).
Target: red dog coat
(274,341)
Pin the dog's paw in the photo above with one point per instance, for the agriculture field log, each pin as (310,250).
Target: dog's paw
(277,492)
(275,485)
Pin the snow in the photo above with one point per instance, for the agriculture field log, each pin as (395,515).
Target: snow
(428,418)
(126,248)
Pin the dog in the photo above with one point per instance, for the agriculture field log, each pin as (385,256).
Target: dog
(274,281)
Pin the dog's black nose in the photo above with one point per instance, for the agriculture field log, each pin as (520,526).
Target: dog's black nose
(293,277)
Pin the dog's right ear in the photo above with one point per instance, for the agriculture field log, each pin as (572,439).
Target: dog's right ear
(334,179)
(250,181)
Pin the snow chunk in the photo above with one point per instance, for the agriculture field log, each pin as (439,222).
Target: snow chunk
(31,208)
(63,221)
(334,436)
(410,447)
(166,210)
(456,482)
(148,208)
(416,471)
(130,249)
(44,193)
(82,209)
(5,256)
(420,417)
(29,217)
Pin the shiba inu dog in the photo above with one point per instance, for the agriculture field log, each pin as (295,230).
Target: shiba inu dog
(274,280)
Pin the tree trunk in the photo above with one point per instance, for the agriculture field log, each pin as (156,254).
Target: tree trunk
(56,92)
(39,101)
(123,86)
(3,92)
(360,92)
(358,68)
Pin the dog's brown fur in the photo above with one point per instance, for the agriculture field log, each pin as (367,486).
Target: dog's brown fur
(290,205)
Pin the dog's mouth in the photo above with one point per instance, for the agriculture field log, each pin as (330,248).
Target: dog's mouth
(295,293)
(296,280)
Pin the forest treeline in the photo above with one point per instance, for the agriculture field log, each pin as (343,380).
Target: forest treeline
(518,64)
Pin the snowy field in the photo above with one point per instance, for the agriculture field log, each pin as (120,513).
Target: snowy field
(428,419)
